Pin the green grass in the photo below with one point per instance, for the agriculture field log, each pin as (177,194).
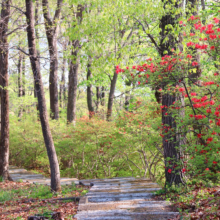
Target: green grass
(36,192)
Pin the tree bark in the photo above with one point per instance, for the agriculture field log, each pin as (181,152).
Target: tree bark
(54,165)
(23,75)
(98,98)
(170,145)
(73,73)
(73,82)
(51,27)
(103,96)
(20,81)
(62,84)
(193,9)
(111,95)
(127,96)
(4,141)
(20,71)
(36,16)
(89,90)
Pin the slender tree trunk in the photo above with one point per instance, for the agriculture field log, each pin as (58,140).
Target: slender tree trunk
(193,10)
(54,165)
(170,144)
(23,75)
(20,84)
(111,96)
(4,141)
(89,90)
(62,84)
(20,89)
(53,87)
(73,73)
(51,27)
(203,4)
(36,16)
(73,82)
(98,97)
(127,96)
(103,96)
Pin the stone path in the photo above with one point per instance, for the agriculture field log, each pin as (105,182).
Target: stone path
(24,175)
(122,199)
(110,199)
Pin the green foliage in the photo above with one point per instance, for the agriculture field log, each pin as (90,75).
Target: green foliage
(94,148)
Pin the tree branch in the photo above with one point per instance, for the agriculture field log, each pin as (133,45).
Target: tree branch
(149,35)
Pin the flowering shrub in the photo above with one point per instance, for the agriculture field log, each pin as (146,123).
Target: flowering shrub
(195,85)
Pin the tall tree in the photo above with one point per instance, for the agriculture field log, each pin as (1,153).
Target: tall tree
(170,142)
(62,95)
(54,165)
(127,95)
(23,74)
(51,26)
(98,98)
(20,80)
(111,95)
(89,89)
(4,141)
(73,72)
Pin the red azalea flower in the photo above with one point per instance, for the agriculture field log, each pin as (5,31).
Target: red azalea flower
(199,135)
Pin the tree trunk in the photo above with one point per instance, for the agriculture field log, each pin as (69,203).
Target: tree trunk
(62,84)
(127,96)
(98,98)
(4,141)
(20,83)
(73,73)
(89,90)
(73,81)
(193,10)
(23,75)
(36,16)
(103,96)
(111,96)
(20,70)
(51,27)
(54,165)
(170,144)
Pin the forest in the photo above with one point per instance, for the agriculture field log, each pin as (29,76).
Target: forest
(101,89)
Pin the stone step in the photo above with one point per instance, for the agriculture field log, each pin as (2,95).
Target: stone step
(17,170)
(124,188)
(115,181)
(133,184)
(142,204)
(118,194)
(118,198)
(125,214)
(27,176)
(120,190)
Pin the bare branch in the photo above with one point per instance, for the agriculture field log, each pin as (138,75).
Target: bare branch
(149,35)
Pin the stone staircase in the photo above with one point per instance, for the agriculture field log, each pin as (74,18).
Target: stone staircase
(122,198)
(110,199)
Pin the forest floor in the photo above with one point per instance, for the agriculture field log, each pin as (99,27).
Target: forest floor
(18,200)
(196,202)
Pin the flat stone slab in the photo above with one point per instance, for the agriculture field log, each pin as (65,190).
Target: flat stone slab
(125,214)
(122,198)
(18,174)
